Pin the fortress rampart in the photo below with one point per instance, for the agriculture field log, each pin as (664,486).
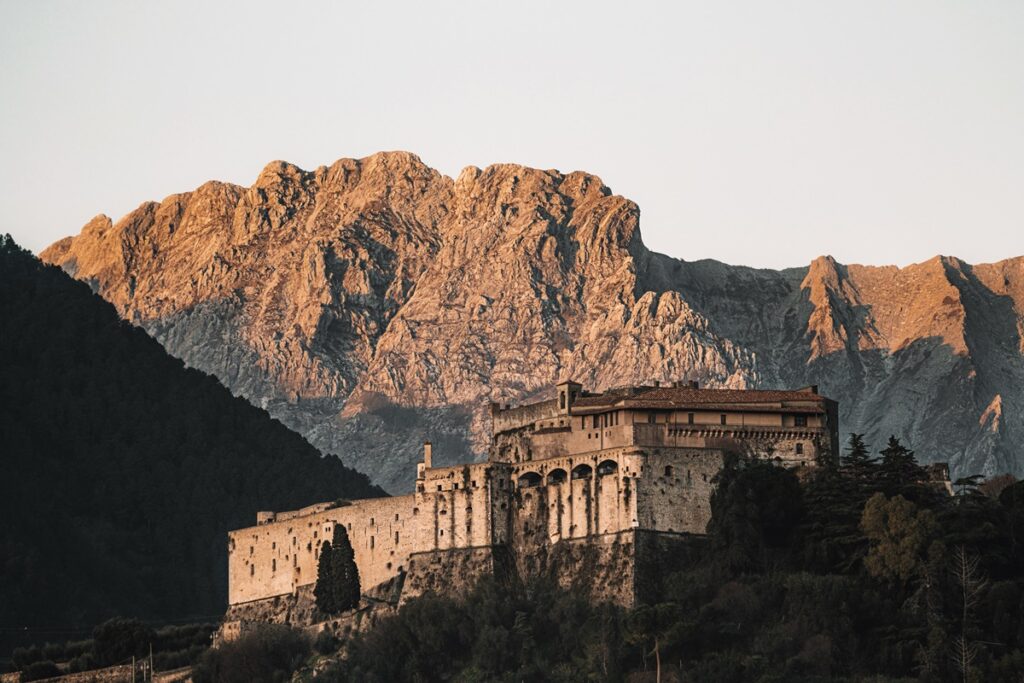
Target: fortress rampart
(567,479)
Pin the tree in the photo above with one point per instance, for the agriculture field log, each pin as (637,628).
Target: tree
(900,535)
(119,639)
(271,652)
(971,581)
(323,591)
(344,572)
(755,507)
(337,576)
(899,470)
(857,461)
(652,624)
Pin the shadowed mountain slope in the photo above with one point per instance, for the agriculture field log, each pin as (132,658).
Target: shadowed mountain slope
(122,469)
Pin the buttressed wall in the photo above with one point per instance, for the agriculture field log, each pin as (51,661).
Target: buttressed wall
(567,479)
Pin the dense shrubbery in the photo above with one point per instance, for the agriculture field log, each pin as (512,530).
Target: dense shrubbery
(861,572)
(122,469)
(267,655)
(497,632)
(116,641)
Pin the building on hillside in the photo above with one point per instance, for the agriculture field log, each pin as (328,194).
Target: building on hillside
(583,480)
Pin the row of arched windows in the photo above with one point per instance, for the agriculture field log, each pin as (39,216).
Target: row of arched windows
(557,476)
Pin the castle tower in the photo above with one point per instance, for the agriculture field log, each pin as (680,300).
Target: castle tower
(568,392)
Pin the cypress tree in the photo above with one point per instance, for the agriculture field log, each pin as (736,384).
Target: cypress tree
(344,573)
(323,591)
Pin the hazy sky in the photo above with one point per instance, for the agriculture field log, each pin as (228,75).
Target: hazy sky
(760,133)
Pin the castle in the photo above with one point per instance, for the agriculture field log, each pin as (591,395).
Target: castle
(582,485)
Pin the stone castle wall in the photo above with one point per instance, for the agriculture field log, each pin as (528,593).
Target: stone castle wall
(276,558)
(531,504)
(557,479)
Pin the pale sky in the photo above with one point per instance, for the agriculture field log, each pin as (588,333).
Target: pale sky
(757,133)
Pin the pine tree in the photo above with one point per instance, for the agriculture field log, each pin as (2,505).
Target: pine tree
(344,573)
(857,462)
(899,470)
(323,591)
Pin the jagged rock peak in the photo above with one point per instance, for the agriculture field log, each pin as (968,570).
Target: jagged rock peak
(376,302)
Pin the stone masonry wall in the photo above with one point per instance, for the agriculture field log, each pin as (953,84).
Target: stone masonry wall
(453,572)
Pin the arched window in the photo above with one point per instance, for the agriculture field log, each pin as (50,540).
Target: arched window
(529,480)
(799,449)
(556,476)
(668,470)
(582,472)
(607,467)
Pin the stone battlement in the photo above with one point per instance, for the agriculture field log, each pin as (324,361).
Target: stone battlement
(572,470)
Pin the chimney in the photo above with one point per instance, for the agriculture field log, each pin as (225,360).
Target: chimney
(694,384)
(426,454)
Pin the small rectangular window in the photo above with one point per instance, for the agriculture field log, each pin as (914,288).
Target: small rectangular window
(652,418)
(689,418)
(800,420)
(723,419)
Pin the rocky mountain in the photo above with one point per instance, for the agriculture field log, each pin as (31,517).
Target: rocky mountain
(376,302)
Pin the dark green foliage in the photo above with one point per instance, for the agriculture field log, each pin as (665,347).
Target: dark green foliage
(122,469)
(498,632)
(800,583)
(755,509)
(269,654)
(857,460)
(337,580)
(117,640)
(344,573)
(898,471)
(323,591)
(120,639)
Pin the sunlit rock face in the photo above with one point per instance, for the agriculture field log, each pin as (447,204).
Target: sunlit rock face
(376,302)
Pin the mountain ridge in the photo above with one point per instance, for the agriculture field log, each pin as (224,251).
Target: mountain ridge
(124,470)
(375,302)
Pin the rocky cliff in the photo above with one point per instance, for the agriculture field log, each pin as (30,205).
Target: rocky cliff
(375,303)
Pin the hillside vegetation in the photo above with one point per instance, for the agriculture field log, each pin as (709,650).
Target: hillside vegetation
(861,573)
(122,470)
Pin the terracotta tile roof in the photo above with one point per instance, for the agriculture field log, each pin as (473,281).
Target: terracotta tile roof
(676,397)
